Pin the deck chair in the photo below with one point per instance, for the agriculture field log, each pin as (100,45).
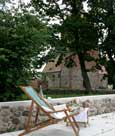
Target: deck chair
(54,116)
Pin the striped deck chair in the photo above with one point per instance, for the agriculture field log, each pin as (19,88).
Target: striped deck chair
(54,116)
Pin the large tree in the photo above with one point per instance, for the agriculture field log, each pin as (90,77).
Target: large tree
(23,40)
(103,12)
(75,31)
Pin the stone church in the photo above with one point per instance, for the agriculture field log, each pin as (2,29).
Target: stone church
(71,78)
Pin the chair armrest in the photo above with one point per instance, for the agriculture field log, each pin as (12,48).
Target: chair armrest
(74,114)
(60,107)
(63,110)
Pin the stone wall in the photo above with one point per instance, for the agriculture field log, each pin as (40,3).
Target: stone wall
(13,115)
(99,103)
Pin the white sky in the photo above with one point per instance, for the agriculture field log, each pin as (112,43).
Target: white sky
(27,1)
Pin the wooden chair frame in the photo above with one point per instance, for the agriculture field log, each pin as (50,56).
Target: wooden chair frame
(29,128)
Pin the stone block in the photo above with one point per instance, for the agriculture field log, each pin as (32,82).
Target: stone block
(93,111)
(5,112)
(25,113)
(16,120)
(6,119)
(3,127)
(17,113)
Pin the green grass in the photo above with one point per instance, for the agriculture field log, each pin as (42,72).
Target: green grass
(66,95)
(61,95)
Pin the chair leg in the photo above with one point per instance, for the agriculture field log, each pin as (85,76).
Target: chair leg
(85,124)
(76,131)
(76,123)
(28,124)
(36,117)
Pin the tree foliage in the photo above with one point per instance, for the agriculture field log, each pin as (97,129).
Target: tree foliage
(103,12)
(23,40)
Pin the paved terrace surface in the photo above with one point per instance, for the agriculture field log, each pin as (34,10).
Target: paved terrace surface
(100,125)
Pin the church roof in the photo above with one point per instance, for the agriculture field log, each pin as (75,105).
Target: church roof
(52,67)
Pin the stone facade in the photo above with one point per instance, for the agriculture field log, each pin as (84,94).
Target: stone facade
(59,76)
(71,78)
(13,115)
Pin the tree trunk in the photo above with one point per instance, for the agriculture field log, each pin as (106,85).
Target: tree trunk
(70,78)
(86,81)
(111,69)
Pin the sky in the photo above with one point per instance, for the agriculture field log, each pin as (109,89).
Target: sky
(27,1)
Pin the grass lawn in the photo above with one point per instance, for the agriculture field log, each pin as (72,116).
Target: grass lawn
(74,93)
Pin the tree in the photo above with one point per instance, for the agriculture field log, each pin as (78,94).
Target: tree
(78,32)
(23,40)
(103,12)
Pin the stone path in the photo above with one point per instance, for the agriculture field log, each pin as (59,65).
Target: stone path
(101,125)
